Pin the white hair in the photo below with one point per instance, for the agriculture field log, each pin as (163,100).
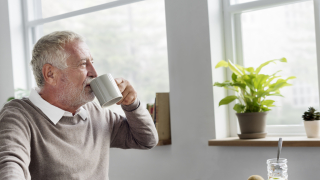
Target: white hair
(50,50)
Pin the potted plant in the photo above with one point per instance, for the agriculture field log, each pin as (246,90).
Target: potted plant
(311,122)
(252,89)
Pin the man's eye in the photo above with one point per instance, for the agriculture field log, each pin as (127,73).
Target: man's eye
(84,64)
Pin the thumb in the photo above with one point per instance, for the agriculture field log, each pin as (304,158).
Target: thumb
(118,80)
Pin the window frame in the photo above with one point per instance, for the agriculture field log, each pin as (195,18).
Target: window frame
(234,52)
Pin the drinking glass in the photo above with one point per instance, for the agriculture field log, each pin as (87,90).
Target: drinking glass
(277,169)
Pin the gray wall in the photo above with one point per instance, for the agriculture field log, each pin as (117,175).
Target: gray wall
(190,61)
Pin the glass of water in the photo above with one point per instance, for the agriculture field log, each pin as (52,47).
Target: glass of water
(277,169)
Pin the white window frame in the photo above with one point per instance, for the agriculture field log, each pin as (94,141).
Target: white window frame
(32,17)
(233,50)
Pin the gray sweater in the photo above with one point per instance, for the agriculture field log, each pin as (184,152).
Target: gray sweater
(32,147)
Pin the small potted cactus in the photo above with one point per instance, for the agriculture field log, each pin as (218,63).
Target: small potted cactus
(311,122)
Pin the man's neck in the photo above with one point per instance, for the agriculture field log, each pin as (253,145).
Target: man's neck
(50,96)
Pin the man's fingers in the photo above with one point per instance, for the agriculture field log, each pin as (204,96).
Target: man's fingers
(129,99)
(124,95)
(129,96)
(122,84)
(118,80)
(127,91)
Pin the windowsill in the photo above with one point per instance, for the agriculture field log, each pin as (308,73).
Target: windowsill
(290,141)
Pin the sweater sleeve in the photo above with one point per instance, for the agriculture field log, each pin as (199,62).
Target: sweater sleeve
(14,145)
(136,131)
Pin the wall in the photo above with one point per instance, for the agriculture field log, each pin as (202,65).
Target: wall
(191,101)
(6,75)
(11,49)
(192,108)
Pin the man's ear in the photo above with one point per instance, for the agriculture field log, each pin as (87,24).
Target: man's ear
(50,74)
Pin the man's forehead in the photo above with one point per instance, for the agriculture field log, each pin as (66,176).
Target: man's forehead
(78,50)
(76,46)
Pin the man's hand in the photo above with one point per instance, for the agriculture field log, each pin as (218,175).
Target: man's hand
(127,91)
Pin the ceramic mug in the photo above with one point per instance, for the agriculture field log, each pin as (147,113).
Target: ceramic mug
(106,90)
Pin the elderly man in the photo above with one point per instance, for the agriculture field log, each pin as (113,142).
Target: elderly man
(58,132)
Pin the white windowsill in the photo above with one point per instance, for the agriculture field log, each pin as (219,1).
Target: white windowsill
(269,141)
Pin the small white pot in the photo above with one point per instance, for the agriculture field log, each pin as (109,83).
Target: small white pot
(312,128)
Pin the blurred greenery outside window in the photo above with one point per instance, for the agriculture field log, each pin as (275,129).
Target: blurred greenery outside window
(19,93)
(127,41)
(272,31)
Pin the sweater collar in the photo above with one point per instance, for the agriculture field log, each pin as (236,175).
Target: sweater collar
(52,112)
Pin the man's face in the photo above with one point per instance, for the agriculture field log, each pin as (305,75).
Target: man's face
(74,80)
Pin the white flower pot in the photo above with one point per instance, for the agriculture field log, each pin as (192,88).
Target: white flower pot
(312,128)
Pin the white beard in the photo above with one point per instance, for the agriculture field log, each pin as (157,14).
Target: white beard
(72,96)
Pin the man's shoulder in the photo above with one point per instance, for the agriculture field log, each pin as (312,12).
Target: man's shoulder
(17,109)
(18,104)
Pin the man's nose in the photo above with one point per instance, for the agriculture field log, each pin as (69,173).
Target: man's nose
(92,71)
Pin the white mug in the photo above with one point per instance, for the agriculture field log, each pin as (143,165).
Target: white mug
(106,90)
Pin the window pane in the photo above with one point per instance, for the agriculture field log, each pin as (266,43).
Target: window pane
(127,41)
(232,2)
(56,7)
(285,31)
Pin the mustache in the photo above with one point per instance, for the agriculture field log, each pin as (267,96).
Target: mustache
(88,81)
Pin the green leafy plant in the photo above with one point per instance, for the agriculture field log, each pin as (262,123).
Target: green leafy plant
(251,87)
(311,115)
(19,93)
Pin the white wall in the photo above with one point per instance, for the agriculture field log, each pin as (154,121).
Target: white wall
(190,61)
(191,101)
(6,75)
(11,49)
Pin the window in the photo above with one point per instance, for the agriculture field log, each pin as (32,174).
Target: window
(126,38)
(56,7)
(240,1)
(261,30)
